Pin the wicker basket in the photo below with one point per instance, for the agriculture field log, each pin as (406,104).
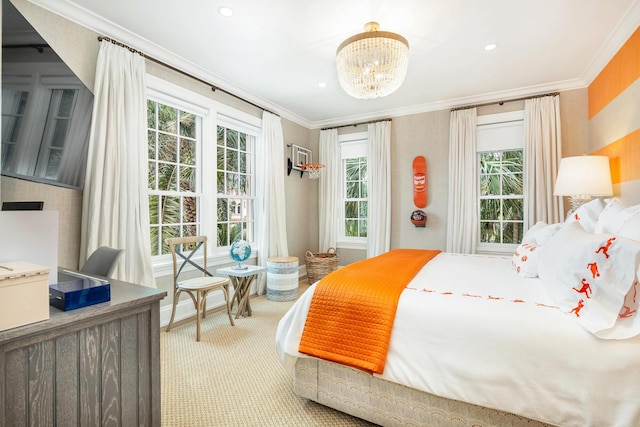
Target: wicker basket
(319,264)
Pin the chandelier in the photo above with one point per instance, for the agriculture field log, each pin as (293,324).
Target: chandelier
(372,64)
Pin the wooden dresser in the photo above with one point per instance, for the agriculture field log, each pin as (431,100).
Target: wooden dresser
(94,366)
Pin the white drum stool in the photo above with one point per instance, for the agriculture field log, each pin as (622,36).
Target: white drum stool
(282,278)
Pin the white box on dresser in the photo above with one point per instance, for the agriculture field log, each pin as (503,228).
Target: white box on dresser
(24,294)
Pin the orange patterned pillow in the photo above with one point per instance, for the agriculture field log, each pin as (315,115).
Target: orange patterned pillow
(525,260)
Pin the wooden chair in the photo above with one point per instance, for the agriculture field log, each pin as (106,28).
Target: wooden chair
(183,250)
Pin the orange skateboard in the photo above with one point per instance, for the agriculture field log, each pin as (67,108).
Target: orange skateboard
(420,181)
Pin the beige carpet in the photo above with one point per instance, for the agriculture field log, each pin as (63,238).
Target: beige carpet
(232,377)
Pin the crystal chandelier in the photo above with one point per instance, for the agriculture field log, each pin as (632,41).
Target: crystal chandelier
(372,64)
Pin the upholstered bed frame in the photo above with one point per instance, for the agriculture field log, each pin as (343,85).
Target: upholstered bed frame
(388,404)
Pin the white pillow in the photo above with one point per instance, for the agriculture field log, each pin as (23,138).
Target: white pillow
(529,236)
(589,275)
(542,236)
(630,223)
(607,222)
(587,214)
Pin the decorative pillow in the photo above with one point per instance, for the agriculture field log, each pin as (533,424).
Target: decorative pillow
(589,275)
(525,260)
(529,236)
(607,222)
(542,236)
(630,227)
(587,214)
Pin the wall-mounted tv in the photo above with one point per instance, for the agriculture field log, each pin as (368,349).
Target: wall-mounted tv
(46,110)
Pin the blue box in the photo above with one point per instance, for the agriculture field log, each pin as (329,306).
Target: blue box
(79,292)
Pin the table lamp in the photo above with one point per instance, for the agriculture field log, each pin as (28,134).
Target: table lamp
(583,177)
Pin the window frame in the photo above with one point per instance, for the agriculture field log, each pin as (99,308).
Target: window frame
(352,145)
(254,133)
(500,123)
(212,113)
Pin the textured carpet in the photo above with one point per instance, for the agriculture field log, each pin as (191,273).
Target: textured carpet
(232,377)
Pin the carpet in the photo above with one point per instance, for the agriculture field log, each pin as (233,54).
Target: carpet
(233,377)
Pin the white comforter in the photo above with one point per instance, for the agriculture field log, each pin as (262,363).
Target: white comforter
(469,328)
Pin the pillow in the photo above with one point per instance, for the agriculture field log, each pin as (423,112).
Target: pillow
(630,219)
(587,214)
(542,236)
(529,236)
(525,260)
(607,220)
(589,276)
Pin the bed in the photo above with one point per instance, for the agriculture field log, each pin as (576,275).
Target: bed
(495,340)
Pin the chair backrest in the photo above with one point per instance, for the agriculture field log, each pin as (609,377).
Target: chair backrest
(102,261)
(183,251)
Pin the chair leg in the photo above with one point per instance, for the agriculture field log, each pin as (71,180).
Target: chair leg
(198,306)
(176,297)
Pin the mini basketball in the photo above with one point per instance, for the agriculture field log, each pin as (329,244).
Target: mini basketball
(419,218)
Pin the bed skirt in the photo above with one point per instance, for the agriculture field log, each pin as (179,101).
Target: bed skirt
(388,404)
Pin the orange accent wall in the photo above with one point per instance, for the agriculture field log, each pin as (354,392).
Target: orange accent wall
(619,73)
(624,157)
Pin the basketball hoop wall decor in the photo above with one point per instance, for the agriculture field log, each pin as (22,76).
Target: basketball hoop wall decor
(302,160)
(419,218)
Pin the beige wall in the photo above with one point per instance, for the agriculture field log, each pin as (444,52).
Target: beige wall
(425,134)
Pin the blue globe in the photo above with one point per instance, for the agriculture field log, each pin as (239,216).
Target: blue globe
(240,251)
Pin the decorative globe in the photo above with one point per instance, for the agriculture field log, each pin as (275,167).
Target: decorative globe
(240,252)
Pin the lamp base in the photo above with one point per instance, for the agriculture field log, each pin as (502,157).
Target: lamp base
(577,201)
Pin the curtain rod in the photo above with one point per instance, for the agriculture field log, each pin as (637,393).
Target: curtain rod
(357,124)
(184,73)
(507,100)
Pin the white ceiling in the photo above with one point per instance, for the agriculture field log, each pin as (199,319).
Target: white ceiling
(274,53)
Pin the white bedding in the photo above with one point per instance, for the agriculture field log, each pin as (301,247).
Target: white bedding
(469,328)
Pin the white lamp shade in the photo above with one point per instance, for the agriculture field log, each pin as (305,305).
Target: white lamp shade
(584,176)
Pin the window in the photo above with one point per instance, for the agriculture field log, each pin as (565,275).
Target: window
(201,170)
(46,115)
(235,190)
(501,197)
(353,149)
(174,137)
(501,204)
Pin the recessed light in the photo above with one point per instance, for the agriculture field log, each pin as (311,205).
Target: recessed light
(225,11)
(490,46)
(322,84)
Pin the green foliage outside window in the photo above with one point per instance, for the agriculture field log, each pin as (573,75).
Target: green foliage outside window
(234,201)
(172,154)
(501,197)
(355,205)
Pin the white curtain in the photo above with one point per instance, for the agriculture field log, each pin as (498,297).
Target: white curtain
(542,154)
(379,188)
(462,217)
(328,188)
(271,218)
(115,208)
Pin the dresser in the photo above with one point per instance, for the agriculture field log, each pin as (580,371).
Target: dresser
(93,366)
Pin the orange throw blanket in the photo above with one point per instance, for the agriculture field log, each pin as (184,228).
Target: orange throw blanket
(353,309)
